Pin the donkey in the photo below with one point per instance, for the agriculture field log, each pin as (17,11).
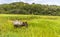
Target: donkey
(20,24)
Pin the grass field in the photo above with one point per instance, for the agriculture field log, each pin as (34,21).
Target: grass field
(38,26)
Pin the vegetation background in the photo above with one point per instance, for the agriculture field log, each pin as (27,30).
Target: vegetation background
(25,8)
(43,20)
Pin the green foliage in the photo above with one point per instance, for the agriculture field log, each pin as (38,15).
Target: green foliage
(25,8)
(38,26)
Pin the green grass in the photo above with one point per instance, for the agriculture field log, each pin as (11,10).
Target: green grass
(38,26)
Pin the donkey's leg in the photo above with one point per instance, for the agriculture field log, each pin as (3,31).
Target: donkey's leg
(26,24)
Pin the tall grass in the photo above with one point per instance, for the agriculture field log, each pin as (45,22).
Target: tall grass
(38,26)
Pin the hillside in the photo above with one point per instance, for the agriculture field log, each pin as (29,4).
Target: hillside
(25,8)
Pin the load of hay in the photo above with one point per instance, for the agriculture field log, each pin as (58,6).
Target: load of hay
(18,23)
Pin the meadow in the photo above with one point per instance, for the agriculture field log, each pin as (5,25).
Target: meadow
(38,26)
